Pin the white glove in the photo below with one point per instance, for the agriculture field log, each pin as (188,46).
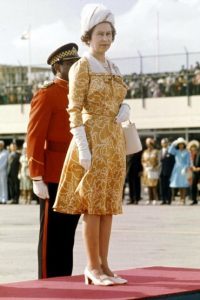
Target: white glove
(40,189)
(82,144)
(174,143)
(123,114)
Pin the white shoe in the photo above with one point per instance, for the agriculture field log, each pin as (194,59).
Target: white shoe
(103,279)
(147,202)
(117,279)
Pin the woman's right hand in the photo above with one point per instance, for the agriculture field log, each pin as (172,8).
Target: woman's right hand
(85,158)
(82,144)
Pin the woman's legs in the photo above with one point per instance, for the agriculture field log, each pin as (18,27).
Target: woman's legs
(104,238)
(150,192)
(96,234)
(155,193)
(91,230)
(182,194)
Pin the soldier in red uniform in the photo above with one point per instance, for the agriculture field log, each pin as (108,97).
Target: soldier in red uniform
(48,138)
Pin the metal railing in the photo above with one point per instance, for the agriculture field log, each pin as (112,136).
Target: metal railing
(167,75)
(175,74)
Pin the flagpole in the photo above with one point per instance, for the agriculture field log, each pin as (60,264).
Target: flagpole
(157,42)
(27,36)
(29,56)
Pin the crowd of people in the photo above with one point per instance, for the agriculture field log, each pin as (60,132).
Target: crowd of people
(146,85)
(153,85)
(153,170)
(171,171)
(15,182)
(168,84)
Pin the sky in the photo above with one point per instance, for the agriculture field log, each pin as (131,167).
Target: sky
(144,27)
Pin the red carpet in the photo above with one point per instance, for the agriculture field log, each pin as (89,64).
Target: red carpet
(143,283)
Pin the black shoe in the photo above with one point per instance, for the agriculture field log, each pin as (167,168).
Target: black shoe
(163,203)
(194,203)
(129,202)
(13,202)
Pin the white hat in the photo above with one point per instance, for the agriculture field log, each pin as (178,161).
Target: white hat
(93,14)
(181,140)
(193,143)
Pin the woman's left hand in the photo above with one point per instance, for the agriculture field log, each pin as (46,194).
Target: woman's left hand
(123,114)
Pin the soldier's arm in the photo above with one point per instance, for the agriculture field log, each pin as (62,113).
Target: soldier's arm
(37,131)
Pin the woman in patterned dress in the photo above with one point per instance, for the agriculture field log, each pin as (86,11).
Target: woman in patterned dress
(150,163)
(24,176)
(94,170)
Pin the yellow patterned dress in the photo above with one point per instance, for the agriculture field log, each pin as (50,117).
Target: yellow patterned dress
(94,100)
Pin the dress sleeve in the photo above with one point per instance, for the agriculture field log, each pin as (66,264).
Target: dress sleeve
(172,149)
(188,160)
(78,90)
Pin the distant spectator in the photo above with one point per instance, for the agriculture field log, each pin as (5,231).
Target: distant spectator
(179,178)
(13,170)
(24,177)
(150,163)
(3,174)
(166,166)
(197,66)
(193,147)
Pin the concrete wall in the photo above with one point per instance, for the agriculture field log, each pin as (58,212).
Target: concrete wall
(166,113)
(162,113)
(14,118)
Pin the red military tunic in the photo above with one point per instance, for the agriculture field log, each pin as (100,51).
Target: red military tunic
(48,134)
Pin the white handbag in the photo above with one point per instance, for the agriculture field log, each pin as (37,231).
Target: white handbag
(132,139)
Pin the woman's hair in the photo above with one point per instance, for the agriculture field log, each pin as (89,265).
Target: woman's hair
(150,141)
(88,34)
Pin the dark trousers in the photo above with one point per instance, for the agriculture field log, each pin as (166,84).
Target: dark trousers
(56,257)
(194,190)
(13,188)
(165,191)
(134,187)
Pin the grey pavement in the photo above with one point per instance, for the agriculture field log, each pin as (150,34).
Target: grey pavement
(144,235)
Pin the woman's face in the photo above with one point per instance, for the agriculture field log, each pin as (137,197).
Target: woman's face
(193,149)
(181,146)
(149,143)
(101,38)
